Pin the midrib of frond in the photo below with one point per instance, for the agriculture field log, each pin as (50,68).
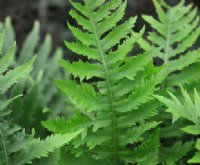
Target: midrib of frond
(114,121)
(166,56)
(4,147)
(168,39)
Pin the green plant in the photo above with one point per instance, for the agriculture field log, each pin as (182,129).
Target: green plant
(117,95)
(41,99)
(175,33)
(17,147)
(115,108)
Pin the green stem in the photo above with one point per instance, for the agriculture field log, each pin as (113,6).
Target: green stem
(111,100)
(168,40)
(4,147)
(167,47)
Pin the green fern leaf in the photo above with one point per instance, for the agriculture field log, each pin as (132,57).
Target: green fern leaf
(110,22)
(6,81)
(142,94)
(83,70)
(119,86)
(117,34)
(176,31)
(61,125)
(7,59)
(41,148)
(82,95)
(134,134)
(83,50)
(106,9)
(124,48)
(184,61)
(161,13)
(83,37)
(80,19)
(131,67)
(188,75)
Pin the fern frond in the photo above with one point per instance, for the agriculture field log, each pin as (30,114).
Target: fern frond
(38,88)
(23,149)
(176,31)
(12,76)
(120,87)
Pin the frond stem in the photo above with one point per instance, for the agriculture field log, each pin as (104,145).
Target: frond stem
(166,57)
(114,121)
(168,40)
